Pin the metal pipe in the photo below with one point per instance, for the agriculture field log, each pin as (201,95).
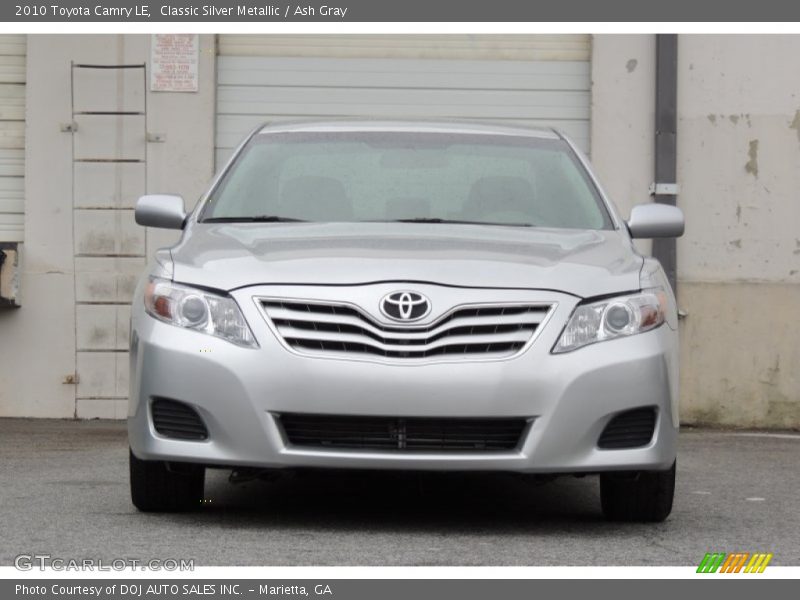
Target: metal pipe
(666,126)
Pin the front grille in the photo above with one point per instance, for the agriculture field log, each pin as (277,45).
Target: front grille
(630,429)
(177,420)
(403,434)
(494,331)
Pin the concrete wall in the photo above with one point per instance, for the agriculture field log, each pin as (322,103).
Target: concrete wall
(739,169)
(739,262)
(739,172)
(623,111)
(80,244)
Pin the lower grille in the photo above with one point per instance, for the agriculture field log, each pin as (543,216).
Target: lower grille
(630,429)
(403,434)
(177,420)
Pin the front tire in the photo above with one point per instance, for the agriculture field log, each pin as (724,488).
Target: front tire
(642,497)
(157,488)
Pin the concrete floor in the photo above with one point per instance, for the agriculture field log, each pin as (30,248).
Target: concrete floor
(64,492)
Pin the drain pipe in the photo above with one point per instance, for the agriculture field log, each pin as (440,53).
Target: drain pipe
(665,188)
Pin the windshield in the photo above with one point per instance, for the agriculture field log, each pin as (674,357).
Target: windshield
(417,177)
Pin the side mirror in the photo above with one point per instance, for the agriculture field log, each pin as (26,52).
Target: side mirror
(160,210)
(655,221)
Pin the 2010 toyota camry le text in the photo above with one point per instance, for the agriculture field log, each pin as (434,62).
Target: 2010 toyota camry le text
(405,295)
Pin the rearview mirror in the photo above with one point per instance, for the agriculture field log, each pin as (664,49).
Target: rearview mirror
(655,221)
(160,210)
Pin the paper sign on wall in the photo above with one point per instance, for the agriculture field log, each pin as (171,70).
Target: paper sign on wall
(173,62)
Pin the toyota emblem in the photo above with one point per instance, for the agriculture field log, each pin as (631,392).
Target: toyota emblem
(405,306)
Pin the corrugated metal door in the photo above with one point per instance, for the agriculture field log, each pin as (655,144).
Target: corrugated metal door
(12,137)
(539,80)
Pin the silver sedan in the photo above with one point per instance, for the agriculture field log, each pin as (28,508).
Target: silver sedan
(394,295)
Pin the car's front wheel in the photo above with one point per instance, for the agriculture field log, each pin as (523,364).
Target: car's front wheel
(157,487)
(644,496)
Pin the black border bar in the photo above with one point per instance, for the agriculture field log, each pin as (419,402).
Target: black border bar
(338,11)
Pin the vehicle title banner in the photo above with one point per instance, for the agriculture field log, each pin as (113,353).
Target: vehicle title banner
(399,11)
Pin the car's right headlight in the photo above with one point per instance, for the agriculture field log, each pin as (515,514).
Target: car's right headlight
(612,318)
(197,309)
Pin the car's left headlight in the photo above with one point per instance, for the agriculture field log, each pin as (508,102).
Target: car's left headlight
(197,309)
(612,318)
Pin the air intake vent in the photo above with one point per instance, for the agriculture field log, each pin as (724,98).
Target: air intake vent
(468,333)
(177,420)
(403,434)
(630,429)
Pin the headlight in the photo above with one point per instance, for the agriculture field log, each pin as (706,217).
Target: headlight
(612,318)
(197,309)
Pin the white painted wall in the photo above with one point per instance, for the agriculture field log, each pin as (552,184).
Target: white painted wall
(739,262)
(739,172)
(739,149)
(623,112)
(38,348)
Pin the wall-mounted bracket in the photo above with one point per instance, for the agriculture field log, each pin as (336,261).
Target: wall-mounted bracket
(665,189)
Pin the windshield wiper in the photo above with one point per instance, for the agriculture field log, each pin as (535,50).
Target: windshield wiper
(455,222)
(254,219)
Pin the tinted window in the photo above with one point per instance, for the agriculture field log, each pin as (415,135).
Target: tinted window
(385,176)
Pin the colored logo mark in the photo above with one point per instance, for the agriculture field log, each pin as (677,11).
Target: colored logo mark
(736,562)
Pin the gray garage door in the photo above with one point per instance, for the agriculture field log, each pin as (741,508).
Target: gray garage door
(535,80)
(12,137)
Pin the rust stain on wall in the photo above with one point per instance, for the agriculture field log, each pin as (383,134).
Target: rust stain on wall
(752,165)
(795,124)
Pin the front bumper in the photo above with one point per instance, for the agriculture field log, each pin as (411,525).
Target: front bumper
(238,392)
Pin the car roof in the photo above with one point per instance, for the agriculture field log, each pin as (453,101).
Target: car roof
(362,125)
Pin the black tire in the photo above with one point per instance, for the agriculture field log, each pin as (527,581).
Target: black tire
(644,496)
(156,488)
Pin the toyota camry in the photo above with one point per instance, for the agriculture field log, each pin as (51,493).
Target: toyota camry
(398,295)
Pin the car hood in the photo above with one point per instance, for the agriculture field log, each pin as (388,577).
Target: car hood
(582,263)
